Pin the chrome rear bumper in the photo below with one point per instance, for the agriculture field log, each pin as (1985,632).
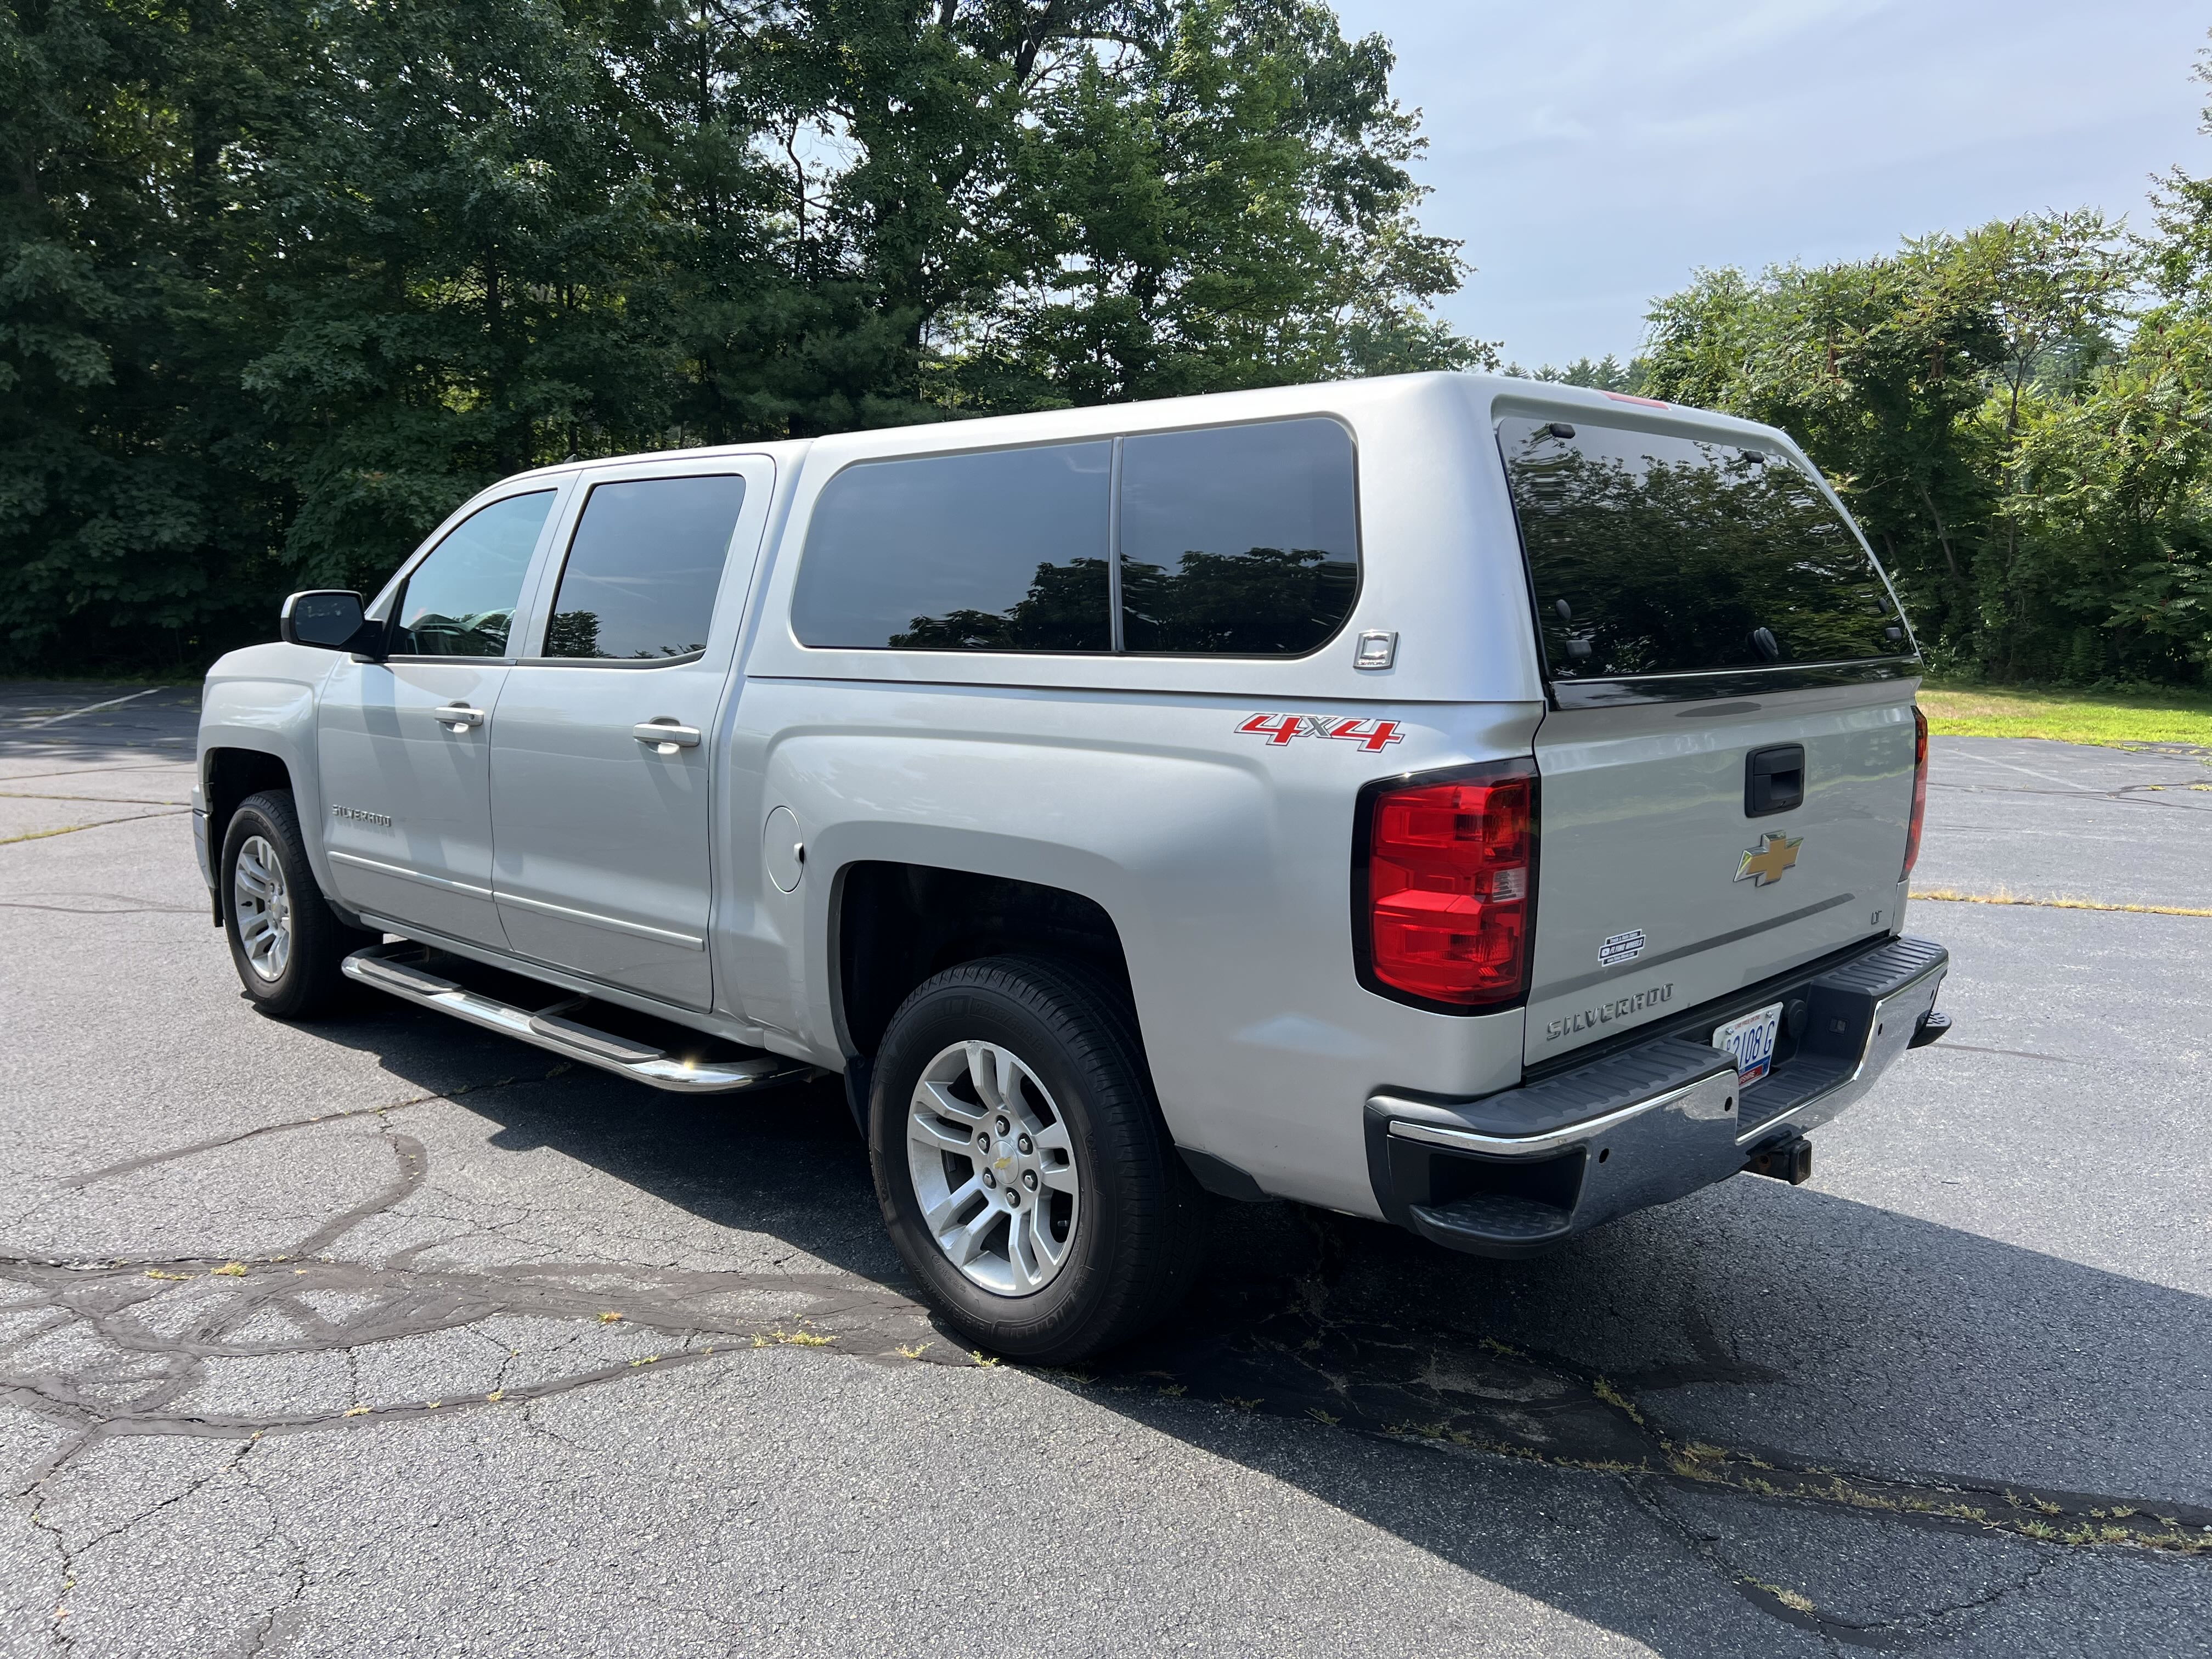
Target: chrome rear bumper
(1518,1171)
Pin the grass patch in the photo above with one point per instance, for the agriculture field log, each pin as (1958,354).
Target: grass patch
(2114,718)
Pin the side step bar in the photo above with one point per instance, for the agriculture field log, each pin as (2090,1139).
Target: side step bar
(400,970)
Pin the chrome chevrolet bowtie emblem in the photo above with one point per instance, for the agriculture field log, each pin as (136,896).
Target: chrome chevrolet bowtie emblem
(1764,863)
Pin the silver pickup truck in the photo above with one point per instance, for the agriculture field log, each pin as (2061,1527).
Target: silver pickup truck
(1480,804)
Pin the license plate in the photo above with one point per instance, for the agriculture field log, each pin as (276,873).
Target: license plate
(1751,1040)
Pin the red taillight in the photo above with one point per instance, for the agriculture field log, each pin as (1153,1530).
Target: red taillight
(1919,790)
(1450,867)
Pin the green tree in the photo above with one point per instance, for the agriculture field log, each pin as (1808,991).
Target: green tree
(1606,374)
(134,523)
(466,233)
(281,282)
(2110,572)
(1879,368)
(2108,567)
(1230,207)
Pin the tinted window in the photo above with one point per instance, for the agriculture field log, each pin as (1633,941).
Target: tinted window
(1657,555)
(460,601)
(644,568)
(1242,540)
(1000,551)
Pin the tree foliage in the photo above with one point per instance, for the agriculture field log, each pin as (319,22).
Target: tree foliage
(284,281)
(2018,417)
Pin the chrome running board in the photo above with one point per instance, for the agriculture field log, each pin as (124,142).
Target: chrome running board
(402,970)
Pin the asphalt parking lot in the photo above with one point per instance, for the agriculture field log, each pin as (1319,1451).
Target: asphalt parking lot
(385,1335)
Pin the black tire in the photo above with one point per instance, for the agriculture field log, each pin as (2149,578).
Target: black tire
(310,981)
(1139,1235)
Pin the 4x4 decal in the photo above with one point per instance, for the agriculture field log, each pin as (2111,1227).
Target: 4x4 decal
(1373,736)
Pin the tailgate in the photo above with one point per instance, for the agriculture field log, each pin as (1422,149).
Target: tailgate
(1655,889)
(1728,774)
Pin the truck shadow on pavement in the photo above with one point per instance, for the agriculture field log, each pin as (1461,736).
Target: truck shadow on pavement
(1776,1348)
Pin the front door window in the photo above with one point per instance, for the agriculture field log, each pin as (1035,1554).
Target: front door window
(460,601)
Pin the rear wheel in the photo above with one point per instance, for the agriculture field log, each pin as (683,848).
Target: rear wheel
(285,941)
(1024,1172)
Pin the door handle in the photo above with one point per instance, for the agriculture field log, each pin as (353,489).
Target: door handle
(459,716)
(665,736)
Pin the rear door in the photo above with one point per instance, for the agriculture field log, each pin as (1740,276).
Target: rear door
(603,751)
(1727,773)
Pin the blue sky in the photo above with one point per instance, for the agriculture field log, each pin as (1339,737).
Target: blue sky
(1592,153)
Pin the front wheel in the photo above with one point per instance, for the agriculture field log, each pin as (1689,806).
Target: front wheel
(285,940)
(1024,1172)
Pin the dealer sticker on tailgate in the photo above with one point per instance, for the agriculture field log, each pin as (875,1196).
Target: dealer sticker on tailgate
(1751,1040)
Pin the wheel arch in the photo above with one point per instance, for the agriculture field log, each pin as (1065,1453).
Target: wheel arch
(228,776)
(257,731)
(893,925)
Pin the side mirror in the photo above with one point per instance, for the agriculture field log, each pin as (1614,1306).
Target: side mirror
(328,619)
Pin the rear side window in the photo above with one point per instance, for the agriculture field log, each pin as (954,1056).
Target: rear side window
(459,601)
(1654,554)
(1232,541)
(1238,541)
(643,566)
(998,550)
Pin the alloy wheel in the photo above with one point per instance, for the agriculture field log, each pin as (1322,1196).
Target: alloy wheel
(993,1168)
(264,908)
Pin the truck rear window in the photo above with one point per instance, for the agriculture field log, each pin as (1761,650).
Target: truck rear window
(996,549)
(1650,553)
(1236,541)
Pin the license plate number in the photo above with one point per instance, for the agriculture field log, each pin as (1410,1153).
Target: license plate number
(1751,1040)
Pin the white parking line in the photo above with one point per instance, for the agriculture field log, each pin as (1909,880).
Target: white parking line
(89,708)
(2029,771)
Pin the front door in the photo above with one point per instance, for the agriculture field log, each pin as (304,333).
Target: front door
(404,744)
(602,754)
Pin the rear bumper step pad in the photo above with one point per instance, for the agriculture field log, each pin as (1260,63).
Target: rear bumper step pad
(400,970)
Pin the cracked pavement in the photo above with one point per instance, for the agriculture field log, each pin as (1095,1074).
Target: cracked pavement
(388,1336)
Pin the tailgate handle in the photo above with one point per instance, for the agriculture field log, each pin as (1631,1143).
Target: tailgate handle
(1773,780)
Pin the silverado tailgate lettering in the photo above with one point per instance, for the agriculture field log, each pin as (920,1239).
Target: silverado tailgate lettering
(1606,1012)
